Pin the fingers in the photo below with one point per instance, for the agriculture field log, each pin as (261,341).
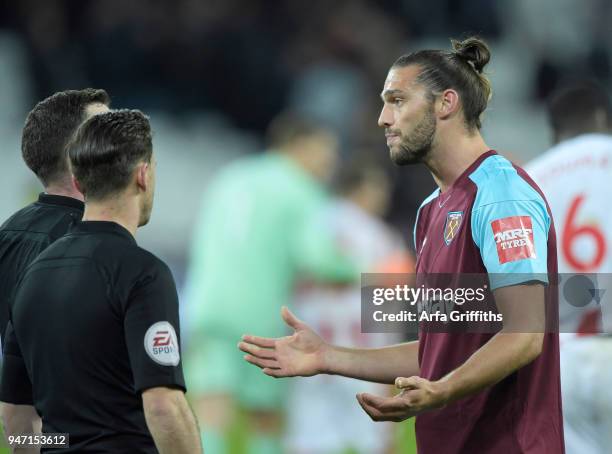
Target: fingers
(276,373)
(409,383)
(377,414)
(264,342)
(262,363)
(384,404)
(290,319)
(372,400)
(264,353)
(374,413)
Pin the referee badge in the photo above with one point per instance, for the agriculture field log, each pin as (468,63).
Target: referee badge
(451,226)
(161,344)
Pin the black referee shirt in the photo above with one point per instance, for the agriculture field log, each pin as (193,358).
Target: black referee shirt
(94,323)
(26,234)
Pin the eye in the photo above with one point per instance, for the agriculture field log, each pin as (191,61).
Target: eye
(398,101)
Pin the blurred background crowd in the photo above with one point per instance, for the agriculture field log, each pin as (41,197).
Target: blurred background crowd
(213,74)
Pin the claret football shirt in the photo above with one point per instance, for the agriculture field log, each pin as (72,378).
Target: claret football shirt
(94,323)
(492,221)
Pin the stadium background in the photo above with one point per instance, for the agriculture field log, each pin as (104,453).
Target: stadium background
(212,74)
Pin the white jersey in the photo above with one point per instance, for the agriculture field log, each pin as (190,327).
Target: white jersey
(576,177)
(317,404)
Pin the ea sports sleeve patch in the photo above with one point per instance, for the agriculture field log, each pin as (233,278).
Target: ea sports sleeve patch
(161,344)
(152,332)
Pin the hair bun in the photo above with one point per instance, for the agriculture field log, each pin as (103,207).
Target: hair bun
(473,50)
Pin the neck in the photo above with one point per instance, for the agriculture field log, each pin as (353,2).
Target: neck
(63,189)
(450,157)
(124,212)
(363,202)
(300,160)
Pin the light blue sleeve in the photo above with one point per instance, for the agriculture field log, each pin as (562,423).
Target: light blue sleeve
(512,236)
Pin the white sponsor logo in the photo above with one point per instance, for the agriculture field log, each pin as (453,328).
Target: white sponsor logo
(161,344)
(518,235)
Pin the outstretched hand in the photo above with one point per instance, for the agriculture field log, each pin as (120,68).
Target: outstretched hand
(417,396)
(300,354)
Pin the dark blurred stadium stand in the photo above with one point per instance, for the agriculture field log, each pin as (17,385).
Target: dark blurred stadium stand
(236,63)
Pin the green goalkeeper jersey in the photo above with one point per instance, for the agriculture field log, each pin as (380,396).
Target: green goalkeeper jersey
(258,232)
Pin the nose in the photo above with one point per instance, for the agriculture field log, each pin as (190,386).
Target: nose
(386,117)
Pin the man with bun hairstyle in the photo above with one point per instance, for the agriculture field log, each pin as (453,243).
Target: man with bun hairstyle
(474,388)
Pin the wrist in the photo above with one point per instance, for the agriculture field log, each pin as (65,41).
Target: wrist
(444,390)
(326,359)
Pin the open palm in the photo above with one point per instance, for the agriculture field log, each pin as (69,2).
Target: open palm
(300,354)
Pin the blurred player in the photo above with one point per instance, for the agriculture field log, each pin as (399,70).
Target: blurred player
(93,333)
(48,127)
(315,406)
(576,176)
(258,230)
(472,392)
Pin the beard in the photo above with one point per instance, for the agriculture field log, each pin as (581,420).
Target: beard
(414,148)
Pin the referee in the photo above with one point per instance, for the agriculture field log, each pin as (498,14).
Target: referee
(47,130)
(95,342)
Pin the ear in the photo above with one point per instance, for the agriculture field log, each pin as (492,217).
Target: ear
(142,172)
(448,104)
(601,120)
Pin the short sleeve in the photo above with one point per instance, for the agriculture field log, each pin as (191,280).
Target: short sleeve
(513,240)
(152,332)
(15,385)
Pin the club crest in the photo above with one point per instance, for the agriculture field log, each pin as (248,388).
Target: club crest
(451,227)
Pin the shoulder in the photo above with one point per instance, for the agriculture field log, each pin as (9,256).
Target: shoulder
(16,220)
(588,142)
(49,221)
(498,180)
(572,152)
(117,257)
(140,272)
(143,259)
(258,174)
(426,203)
(430,198)
(419,216)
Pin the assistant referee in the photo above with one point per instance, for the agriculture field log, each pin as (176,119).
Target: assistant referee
(95,338)
(48,128)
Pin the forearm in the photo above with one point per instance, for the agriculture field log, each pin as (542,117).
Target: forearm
(381,365)
(20,420)
(175,430)
(502,355)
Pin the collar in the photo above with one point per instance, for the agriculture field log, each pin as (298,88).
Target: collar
(52,199)
(467,172)
(103,227)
